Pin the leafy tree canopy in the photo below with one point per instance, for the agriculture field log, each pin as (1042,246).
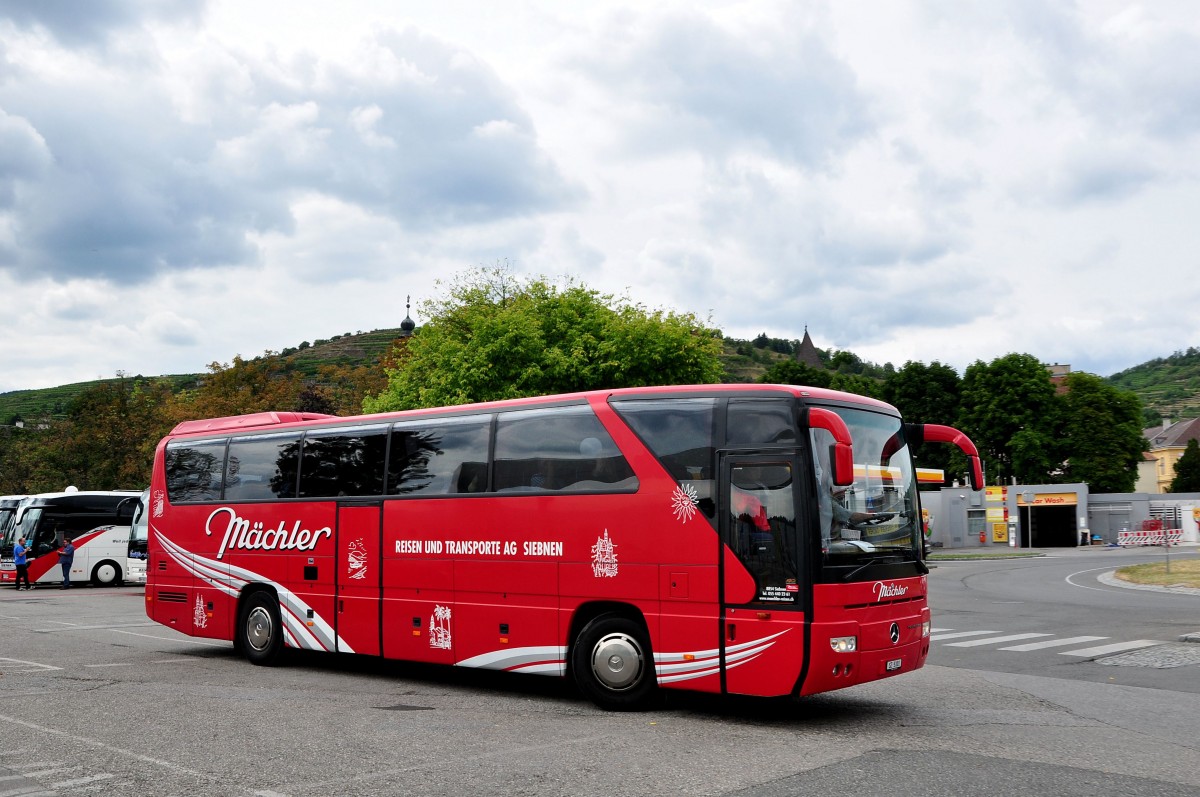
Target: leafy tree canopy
(790,372)
(1102,434)
(1010,410)
(1187,470)
(496,336)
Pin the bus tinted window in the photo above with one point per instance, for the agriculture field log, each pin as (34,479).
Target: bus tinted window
(678,431)
(343,462)
(194,470)
(438,457)
(761,422)
(262,467)
(560,449)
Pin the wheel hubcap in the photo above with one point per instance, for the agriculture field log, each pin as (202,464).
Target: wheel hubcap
(258,628)
(617,661)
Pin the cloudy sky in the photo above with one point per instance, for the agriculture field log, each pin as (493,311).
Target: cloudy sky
(184,181)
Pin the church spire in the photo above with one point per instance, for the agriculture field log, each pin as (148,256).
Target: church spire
(407,325)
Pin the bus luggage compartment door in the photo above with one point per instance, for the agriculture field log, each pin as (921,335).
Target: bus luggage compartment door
(358,578)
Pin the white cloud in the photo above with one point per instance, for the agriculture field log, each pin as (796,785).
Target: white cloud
(183,182)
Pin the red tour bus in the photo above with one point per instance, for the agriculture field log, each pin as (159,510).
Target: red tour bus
(743,539)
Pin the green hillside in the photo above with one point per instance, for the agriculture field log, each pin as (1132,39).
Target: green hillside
(1169,387)
(742,360)
(364,348)
(51,402)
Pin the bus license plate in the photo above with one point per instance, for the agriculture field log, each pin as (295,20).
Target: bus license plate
(893,665)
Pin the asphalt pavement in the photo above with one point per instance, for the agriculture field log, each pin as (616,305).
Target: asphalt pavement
(1108,579)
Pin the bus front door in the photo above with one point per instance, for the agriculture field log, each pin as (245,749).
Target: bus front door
(763,587)
(359,532)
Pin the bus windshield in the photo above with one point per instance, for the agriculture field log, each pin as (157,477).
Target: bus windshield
(874,520)
(138,528)
(8,525)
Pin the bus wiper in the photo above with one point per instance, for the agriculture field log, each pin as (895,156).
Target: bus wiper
(888,560)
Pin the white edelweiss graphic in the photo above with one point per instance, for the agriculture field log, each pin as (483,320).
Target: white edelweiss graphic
(199,616)
(439,628)
(684,501)
(356,559)
(604,557)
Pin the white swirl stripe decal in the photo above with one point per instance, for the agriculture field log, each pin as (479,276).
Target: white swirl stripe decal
(230,580)
(673,667)
(543,660)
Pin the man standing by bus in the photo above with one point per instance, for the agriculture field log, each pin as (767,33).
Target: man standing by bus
(66,557)
(22,563)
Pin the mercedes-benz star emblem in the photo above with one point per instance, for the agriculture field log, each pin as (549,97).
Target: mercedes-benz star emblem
(894,633)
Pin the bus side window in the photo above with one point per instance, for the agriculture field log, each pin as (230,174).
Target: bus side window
(439,457)
(194,470)
(679,432)
(761,421)
(558,449)
(343,462)
(262,467)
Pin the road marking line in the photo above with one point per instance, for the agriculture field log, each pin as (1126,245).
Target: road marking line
(67,784)
(173,639)
(1114,648)
(93,628)
(992,640)
(33,666)
(114,664)
(1055,643)
(959,634)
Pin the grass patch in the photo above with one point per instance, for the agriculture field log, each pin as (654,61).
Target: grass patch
(1184,572)
(954,557)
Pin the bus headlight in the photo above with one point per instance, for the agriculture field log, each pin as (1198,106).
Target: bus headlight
(844,644)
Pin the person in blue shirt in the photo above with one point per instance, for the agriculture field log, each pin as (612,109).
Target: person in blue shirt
(66,557)
(22,563)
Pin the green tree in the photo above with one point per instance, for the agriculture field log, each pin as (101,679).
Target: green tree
(857,383)
(927,394)
(1102,434)
(106,441)
(262,384)
(1187,470)
(495,336)
(790,372)
(1010,410)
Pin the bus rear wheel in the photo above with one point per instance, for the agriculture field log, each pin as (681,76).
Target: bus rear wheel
(613,665)
(260,633)
(106,574)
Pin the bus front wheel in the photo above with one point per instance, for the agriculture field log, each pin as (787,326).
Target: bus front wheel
(612,663)
(106,574)
(260,633)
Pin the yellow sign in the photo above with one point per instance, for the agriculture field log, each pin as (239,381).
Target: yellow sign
(999,532)
(1049,499)
(997,513)
(930,475)
(996,495)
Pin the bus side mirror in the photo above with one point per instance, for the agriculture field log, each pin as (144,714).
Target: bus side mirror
(841,452)
(126,508)
(934,433)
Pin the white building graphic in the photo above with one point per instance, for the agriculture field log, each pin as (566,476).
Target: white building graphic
(439,628)
(356,560)
(199,615)
(604,557)
(157,501)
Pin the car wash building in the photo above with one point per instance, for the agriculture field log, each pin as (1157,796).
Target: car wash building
(1052,516)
